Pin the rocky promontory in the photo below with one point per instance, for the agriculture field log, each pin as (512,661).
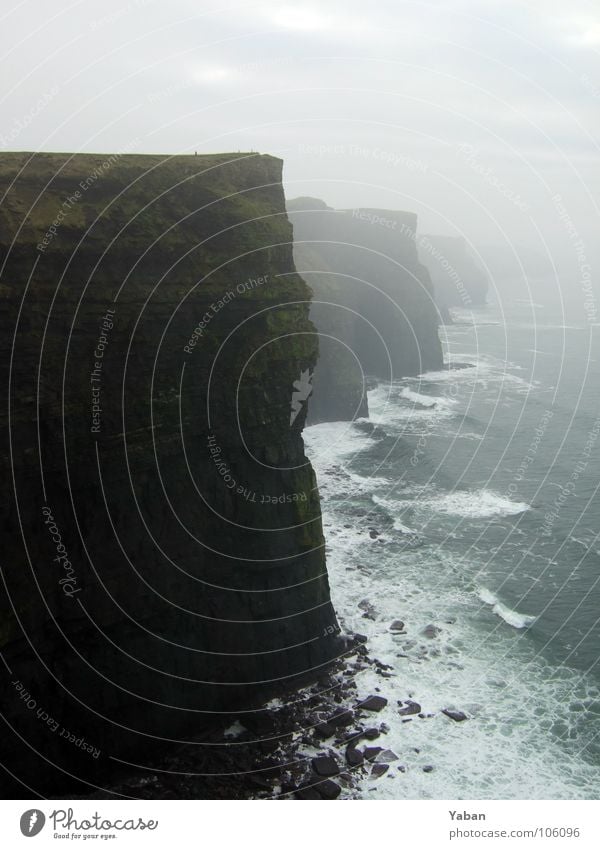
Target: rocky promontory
(373,301)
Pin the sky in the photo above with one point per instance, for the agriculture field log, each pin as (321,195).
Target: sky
(481,116)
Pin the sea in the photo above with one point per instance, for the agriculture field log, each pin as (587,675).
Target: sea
(467,508)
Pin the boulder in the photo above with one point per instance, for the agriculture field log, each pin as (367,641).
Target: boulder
(379,769)
(354,757)
(328,789)
(387,756)
(342,718)
(456,715)
(373,703)
(372,733)
(325,766)
(324,731)
(308,793)
(410,708)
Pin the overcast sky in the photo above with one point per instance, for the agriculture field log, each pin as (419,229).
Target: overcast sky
(473,113)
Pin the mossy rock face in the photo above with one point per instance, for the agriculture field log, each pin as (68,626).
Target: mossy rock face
(373,301)
(155,326)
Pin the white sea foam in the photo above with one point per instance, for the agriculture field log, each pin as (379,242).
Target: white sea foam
(425,400)
(404,529)
(511,617)
(331,441)
(391,508)
(479,504)
(399,405)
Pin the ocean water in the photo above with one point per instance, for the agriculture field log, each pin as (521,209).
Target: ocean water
(473,506)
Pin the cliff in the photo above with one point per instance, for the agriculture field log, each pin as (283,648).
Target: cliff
(372,303)
(163,549)
(458,280)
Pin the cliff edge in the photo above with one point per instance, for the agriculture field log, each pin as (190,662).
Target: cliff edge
(163,559)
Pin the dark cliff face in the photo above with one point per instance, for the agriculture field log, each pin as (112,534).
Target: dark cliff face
(163,549)
(373,301)
(458,280)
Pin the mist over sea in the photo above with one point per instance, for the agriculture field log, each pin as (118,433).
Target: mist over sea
(473,507)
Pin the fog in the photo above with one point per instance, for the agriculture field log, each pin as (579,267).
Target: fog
(481,117)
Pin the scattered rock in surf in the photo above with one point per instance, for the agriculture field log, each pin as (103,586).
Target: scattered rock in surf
(325,766)
(397,625)
(373,534)
(428,768)
(371,733)
(353,737)
(308,793)
(456,715)
(373,703)
(377,770)
(411,708)
(368,608)
(431,631)
(387,756)
(328,789)
(342,718)
(371,752)
(324,731)
(354,757)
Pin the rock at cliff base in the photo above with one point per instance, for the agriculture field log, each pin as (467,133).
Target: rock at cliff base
(328,789)
(307,793)
(372,733)
(354,757)
(373,703)
(379,769)
(410,709)
(324,731)
(456,715)
(325,766)
(342,718)
(387,756)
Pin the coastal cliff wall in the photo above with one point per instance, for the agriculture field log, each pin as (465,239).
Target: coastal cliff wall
(163,549)
(373,301)
(458,280)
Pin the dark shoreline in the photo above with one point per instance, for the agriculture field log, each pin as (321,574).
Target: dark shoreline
(257,755)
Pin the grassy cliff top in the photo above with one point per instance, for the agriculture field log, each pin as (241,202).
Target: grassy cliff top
(78,163)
